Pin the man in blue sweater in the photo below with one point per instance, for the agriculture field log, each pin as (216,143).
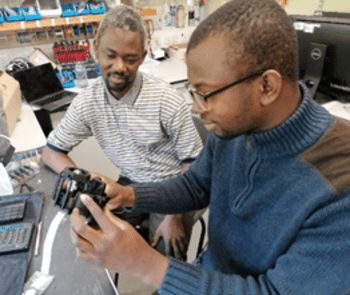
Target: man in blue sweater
(275,173)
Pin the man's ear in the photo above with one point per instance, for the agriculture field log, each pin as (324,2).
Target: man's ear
(271,84)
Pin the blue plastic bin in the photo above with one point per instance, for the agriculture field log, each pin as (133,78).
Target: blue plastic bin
(18,16)
(97,9)
(83,10)
(2,18)
(66,77)
(68,9)
(31,13)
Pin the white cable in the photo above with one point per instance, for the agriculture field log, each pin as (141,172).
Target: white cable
(48,244)
(40,280)
(111,282)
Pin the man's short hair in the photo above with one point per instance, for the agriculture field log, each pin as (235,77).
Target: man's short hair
(259,34)
(123,17)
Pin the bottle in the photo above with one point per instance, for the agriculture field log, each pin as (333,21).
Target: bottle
(196,12)
(81,78)
(172,11)
(191,20)
(180,16)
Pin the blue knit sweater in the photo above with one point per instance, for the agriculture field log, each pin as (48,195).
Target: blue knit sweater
(279,202)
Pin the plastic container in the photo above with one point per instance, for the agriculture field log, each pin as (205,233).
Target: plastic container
(81,77)
(13,14)
(68,9)
(82,8)
(31,13)
(98,8)
(2,18)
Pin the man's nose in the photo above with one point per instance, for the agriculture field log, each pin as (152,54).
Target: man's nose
(119,65)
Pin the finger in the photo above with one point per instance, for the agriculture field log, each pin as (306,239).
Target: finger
(176,249)
(83,230)
(87,256)
(94,175)
(156,239)
(182,244)
(80,243)
(80,229)
(96,212)
(113,189)
(168,248)
(122,225)
(114,203)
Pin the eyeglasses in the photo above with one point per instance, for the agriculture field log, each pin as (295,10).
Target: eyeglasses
(201,98)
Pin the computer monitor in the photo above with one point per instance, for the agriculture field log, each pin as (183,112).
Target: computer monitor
(324,54)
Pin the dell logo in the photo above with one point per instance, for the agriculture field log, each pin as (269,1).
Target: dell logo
(316,54)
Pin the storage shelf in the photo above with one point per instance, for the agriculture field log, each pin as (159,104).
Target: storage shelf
(49,22)
(62,21)
(10,31)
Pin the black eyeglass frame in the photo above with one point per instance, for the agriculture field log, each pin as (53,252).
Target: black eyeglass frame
(203,97)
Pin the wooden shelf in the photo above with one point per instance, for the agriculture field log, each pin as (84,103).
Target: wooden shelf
(49,22)
(62,21)
(10,32)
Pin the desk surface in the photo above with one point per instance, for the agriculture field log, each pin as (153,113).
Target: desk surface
(71,275)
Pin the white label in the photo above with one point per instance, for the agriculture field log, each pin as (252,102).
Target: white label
(53,22)
(299,26)
(38,23)
(309,28)
(67,20)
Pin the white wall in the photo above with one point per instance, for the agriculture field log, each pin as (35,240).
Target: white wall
(298,6)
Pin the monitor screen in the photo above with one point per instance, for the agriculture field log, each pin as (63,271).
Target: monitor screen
(328,35)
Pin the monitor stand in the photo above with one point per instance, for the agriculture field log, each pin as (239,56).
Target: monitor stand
(314,66)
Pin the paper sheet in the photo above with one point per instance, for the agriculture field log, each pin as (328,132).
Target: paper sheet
(338,109)
(27,134)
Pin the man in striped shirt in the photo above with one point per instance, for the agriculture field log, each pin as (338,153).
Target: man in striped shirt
(141,123)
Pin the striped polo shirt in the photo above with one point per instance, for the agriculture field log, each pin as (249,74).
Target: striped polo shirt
(147,133)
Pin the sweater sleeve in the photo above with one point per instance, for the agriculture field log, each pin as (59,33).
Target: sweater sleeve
(316,262)
(183,193)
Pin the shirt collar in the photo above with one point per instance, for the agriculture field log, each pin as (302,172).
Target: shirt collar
(130,97)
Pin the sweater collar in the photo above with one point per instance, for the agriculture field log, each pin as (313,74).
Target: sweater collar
(305,126)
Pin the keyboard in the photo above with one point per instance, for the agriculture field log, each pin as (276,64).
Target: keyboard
(12,211)
(51,98)
(15,237)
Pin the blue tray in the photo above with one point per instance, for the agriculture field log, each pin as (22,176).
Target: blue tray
(84,11)
(68,9)
(34,15)
(98,9)
(13,18)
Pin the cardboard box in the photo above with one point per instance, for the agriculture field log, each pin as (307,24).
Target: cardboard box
(38,57)
(12,99)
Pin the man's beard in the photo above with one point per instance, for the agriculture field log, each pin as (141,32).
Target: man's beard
(120,86)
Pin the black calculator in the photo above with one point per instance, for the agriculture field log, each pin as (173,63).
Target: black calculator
(12,211)
(15,237)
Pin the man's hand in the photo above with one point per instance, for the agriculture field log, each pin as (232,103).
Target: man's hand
(121,196)
(115,245)
(172,231)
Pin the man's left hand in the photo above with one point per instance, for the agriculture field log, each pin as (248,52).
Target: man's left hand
(172,231)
